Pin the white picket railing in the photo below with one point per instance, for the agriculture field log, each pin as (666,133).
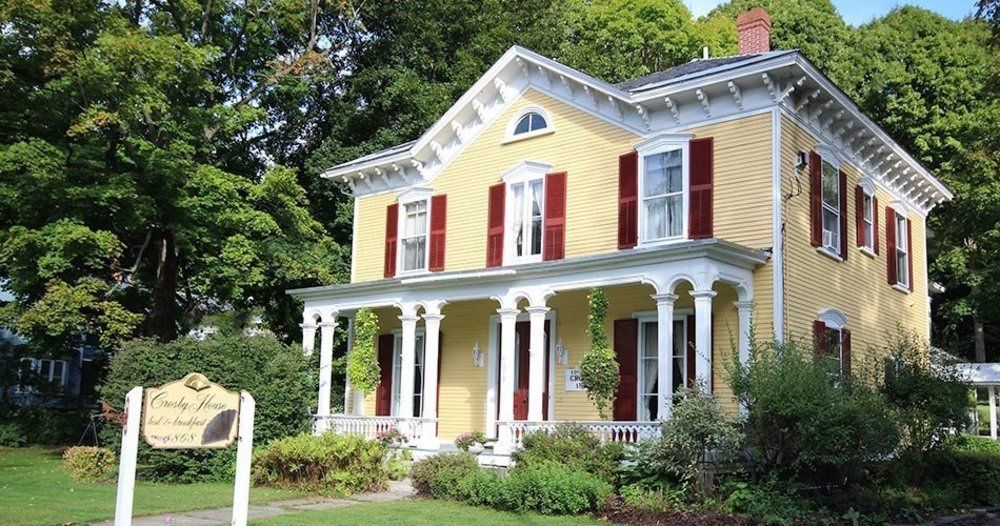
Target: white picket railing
(617,432)
(372,427)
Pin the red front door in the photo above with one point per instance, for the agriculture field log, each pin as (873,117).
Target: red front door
(522,343)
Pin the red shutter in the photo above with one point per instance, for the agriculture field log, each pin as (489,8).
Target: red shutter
(890,245)
(843,215)
(819,338)
(628,200)
(439,213)
(875,223)
(845,352)
(815,199)
(689,350)
(909,252)
(554,241)
(383,393)
(700,198)
(494,232)
(626,352)
(859,215)
(391,228)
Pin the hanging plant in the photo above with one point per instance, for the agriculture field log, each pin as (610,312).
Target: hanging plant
(599,369)
(362,365)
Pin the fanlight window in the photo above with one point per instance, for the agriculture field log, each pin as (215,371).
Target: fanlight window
(530,122)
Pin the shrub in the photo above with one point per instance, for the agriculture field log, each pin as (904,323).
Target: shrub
(465,440)
(424,473)
(807,422)
(49,426)
(972,443)
(88,464)
(970,476)
(328,463)
(554,489)
(483,487)
(571,445)
(11,435)
(928,400)
(277,376)
(697,433)
(769,503)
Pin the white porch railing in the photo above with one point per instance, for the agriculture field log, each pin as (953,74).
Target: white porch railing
(617,432)
(373,427)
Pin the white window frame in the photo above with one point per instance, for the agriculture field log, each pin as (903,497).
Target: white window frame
(397,368)
(510,136)
(522,174)
(414,195)
(37,365)
(868,215)
(902,248)
(645,319)
(652,146)
(835,320)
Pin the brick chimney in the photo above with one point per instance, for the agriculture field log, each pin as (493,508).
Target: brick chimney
(754,29)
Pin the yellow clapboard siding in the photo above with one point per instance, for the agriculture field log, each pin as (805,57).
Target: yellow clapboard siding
(856,287)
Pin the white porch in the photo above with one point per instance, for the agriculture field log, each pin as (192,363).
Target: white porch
(529,295)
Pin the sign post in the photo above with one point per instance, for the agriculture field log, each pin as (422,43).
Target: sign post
(190,413)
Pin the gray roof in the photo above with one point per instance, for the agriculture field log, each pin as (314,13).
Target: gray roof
(399,148)
(695,68)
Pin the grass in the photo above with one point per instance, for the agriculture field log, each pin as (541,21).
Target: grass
(420,513)
(34,490)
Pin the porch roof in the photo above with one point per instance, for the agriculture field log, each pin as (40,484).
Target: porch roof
(980,374)
(715,249)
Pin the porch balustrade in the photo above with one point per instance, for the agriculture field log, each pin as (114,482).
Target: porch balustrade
(613,432)
(372,427)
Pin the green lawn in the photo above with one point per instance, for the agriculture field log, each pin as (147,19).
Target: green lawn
(35,491)
(420,513)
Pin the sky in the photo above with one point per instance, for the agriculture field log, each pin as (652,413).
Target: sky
(857,12)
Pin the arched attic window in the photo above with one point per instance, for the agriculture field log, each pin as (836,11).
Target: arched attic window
(529,122)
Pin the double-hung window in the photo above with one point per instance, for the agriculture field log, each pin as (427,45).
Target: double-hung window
(662,182)
(413,241)
(868,219)
(527,205)
(831,208)
(902,255)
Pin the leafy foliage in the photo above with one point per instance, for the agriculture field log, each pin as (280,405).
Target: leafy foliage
(466,440)
(275,374)
(599,368)
(362,367)
(804,420)
(328,463)
(11,435)
(89,464)
(572,445)
(425,473)
(698,433)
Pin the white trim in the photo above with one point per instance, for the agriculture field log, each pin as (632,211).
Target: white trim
(397,346)
(900,287)
(651,146)
(493,365)
(414,194)
(867,251)
(354,240)
(829,253)
(777,235)
(833,318)
(644,318)
(868,184)
(525,170)
(510,136)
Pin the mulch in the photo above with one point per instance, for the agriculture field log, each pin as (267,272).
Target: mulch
(617,511)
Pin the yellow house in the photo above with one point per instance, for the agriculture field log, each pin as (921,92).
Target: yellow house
(717,195)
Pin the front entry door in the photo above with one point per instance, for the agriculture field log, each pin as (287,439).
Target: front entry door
(522,360)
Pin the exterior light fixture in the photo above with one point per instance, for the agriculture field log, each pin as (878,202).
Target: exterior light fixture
(562,354)
(477,355)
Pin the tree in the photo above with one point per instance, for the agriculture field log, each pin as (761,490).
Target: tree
(131,168)
(925,79)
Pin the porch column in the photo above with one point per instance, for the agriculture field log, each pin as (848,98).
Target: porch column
(745,311)
(325,370)
(703,336)
(432,326)
(407,363)
(536,362)
(664,353)
(348,392)
(508,320)
(308,338)
(992,390)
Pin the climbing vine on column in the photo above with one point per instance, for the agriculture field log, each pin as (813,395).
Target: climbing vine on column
(599,369)
(362,365)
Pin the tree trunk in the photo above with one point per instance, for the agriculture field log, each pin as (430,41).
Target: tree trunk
(163,318)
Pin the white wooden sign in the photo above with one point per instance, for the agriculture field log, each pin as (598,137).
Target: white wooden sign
(198,431)
(573,382)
